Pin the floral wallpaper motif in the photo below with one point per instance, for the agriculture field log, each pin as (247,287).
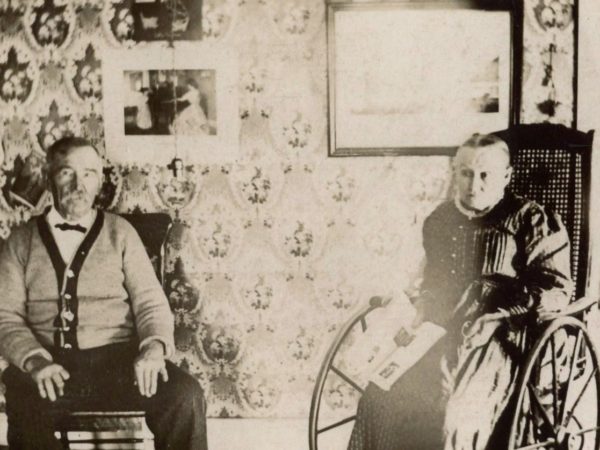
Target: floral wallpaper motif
(270,254)
(548,72)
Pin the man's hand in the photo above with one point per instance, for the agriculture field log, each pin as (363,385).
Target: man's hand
(148,365)
(48,376)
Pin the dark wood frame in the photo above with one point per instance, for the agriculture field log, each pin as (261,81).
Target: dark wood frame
(513,7)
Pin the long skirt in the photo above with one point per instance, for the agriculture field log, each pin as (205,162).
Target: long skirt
(451,400)
(480,389)
(410,416)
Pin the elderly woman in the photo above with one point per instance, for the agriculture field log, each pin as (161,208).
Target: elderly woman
(489,255)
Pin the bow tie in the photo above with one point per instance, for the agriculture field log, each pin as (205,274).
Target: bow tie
(67,226)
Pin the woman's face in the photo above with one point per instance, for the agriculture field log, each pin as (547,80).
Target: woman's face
(481,175)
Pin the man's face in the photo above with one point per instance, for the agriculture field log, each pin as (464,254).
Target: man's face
(75,180)
(481,174)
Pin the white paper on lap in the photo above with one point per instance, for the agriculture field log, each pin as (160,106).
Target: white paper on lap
(396,363)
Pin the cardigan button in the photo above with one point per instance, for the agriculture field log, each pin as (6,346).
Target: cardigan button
(67,296)
(67,345)
(70,273)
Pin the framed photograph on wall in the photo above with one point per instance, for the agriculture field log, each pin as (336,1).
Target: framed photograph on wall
(417,78)
(161,102)
(173,20)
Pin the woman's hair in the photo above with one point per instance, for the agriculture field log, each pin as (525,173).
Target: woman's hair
(478,140)
(192,81)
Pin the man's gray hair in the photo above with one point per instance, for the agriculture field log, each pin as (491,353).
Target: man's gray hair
(62,146)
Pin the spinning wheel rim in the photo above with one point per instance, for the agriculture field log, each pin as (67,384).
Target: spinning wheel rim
(327,367)
(562,434)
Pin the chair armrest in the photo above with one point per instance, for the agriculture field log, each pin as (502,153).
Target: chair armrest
(580,305)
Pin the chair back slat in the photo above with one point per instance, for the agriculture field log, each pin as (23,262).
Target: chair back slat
(153,229)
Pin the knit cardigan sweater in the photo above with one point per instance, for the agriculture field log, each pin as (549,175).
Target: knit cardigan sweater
(110,283)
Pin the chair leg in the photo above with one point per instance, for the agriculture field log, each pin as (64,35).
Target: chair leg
(63,437)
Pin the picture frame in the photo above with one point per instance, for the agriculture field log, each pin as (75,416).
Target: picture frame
(418,78)
(172,21)
(163,101)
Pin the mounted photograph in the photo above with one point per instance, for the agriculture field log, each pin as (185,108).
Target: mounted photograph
(185,104)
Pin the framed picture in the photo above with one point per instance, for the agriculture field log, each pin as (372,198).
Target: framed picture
(161,102)
(417,78)
(173,20)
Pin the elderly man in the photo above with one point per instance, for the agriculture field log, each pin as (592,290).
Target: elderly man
(488,253)
(83,318)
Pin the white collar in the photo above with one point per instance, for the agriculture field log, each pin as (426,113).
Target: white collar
(53,217)
(470,213)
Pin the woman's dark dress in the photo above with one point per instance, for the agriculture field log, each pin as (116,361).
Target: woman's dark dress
(517,254)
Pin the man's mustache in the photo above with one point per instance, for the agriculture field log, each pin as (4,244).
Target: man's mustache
(78,193)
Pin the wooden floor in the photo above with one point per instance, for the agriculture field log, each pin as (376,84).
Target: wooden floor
(270,434)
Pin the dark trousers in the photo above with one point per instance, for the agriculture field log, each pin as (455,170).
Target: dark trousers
(103,379)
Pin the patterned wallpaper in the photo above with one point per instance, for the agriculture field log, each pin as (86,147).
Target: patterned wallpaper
(273,252)
(548,67)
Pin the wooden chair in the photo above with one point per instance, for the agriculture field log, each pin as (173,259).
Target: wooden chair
(552,166)
(120,429)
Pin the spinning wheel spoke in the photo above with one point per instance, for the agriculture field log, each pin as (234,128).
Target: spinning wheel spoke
(584,431)
(347,379)
(336,424)
(571,376)
(541,408)
(363,323)
(538,445)
(554,379)
(525,430)
(569,415)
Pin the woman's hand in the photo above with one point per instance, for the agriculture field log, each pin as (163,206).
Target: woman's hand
(406,334)
(480,332)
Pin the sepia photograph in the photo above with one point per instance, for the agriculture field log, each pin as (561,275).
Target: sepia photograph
(155,20)
(170,102)
(299,225)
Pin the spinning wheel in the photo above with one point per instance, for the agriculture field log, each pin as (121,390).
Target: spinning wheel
(557,401)
(316,429)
